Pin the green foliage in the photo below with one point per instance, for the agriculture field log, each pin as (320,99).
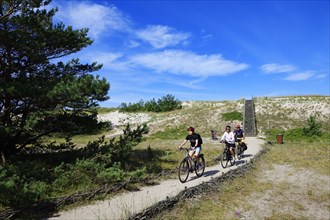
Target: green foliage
(103,110)
(168,103)
(230,116)
(172,132)
(310,133)
(164,104)
(313,127)
(111,174)
(20,185)
(38,95)
(38,177)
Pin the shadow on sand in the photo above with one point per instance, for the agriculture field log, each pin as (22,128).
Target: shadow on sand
(206,174)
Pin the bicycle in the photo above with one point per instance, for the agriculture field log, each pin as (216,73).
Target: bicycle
(186,166)
(240,148)
(226,157)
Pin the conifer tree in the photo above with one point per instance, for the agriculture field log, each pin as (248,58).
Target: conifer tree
(39,93)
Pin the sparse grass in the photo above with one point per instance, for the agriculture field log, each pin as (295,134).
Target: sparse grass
(267,196)
(79,140)
(159,151)
(103,110)
(313,156)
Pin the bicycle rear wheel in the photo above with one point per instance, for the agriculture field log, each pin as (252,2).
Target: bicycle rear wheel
(223,160)
(183,171)
(242,152)
(239,152)
(200,166)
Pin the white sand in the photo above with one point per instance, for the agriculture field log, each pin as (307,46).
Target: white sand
(117,118)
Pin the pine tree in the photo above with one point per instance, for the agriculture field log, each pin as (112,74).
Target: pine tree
(40,94)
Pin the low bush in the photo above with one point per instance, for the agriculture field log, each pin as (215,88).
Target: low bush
(312,132)
(30,178)
(231,116)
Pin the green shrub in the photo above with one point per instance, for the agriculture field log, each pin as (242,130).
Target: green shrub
(164,104)
(296,135)
(172,132)
(20,190)
(36,177)
(313,127)
(230,116)
(111,174)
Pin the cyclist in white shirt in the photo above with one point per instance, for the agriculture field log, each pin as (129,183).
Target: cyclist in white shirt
(228,138)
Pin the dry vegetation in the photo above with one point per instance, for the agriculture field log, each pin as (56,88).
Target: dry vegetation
(291,182)
(282,186)
(290,112)
(276,112)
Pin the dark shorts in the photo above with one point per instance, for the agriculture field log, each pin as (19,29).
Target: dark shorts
(230,145)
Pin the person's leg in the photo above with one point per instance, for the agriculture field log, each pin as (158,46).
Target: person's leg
(196,158)
(191,153)
(196,155)
(192,156)
(232,151)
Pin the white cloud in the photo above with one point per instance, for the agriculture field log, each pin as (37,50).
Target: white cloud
(277,68)
(206,37)
(321,76)
(107,59)
(97,18)
(132,44)
(188,63)
(300,76)
(162,36)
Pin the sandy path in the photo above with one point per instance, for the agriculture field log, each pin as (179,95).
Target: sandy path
(124,205)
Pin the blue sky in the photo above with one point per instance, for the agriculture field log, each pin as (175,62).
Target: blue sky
(204,50)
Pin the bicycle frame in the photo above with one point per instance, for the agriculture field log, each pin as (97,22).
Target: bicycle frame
(188,157)
(227,157)
(240,150)
(186,166)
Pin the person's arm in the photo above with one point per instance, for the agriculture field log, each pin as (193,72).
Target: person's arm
(196,142)
(223,137)
(183,143)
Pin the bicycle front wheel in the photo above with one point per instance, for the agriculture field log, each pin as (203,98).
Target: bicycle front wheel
(232,159)
(223,160)
(200,167)
(183,172)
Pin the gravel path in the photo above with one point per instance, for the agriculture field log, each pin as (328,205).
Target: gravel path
(124,205)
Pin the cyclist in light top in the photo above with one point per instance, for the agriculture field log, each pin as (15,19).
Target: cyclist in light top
(195,143)
(228,138)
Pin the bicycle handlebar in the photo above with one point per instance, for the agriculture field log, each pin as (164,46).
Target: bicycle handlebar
(184,148)
(240,139)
